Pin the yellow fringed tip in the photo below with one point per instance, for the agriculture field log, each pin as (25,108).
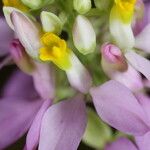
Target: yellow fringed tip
(55,49)
(16,4)
(125,8)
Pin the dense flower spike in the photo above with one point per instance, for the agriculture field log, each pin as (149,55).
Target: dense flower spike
(51,101)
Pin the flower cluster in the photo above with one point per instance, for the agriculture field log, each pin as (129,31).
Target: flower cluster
(94,53)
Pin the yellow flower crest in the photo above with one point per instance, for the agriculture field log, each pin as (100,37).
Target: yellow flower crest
(55,49)
(126,9)
(17,4)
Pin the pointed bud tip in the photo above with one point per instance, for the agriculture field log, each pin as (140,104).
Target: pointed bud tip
(83,6)
(111,53)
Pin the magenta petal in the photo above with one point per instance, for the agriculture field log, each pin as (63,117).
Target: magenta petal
(34,132)
(117,106)
(139,63)
(143,142)
(16,116)
(63,125)
(121,144)
(20,85)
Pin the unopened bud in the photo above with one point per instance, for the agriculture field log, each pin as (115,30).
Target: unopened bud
(28,33)
(84,36)
(36,4)
(113,57)
(115,66)
(83,6)
(20,57)
(103,4)
(50,22)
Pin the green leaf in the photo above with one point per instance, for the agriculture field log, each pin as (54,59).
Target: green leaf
(97,133)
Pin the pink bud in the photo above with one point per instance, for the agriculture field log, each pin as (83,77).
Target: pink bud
(115,67)
(113,57)
(20,57)
(16,50)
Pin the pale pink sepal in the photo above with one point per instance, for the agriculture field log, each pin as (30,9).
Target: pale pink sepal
(44,80)
(140,63)
(130,78)
(142,40)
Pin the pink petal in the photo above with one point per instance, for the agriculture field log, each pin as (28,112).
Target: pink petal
(63,125)
(118,107)
(139,63)
(121,144)
(142,39)
(16,116)
(143,141)
(130,78)
(44,80)
(34,132)
(19,85)
(145,103)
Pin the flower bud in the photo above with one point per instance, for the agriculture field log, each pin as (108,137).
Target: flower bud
(84,35)
(7,13)
(83,6)
(27,32)
(115,66)
(36,4)
(103,4)
(51,23)
(20,57)
(113,57)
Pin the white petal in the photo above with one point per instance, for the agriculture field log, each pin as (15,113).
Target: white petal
(78,75)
